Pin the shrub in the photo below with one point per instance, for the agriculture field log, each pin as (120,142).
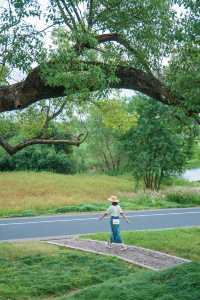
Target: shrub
(183,198)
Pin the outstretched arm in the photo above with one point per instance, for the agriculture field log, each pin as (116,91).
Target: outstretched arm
(125,217)
(103,216)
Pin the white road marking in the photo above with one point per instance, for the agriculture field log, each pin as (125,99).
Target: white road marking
(88,219)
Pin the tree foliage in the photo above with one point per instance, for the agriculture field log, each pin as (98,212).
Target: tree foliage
(107,121)
(20,42)
(39,158)
(99,45)
(158,146)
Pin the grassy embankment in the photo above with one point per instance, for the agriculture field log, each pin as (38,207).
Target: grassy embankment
(30,193)
(38,271)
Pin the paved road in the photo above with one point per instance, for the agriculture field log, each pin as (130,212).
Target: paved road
(59,225)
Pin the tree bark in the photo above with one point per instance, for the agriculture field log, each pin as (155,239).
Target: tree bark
(34,88)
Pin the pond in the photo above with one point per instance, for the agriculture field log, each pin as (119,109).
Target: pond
(192,174)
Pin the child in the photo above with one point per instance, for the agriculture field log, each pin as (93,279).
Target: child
(115,211)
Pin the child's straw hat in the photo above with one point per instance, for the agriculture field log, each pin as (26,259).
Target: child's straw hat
(113,198)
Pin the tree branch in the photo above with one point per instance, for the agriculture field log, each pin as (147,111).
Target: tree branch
(75,141)
(69,13)
(76,13)
(56,113)
(90,14)
(48,119)
(64,15)
(109,37)
(34,88)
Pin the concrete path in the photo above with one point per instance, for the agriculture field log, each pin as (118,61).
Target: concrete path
(69,224)
(150,259)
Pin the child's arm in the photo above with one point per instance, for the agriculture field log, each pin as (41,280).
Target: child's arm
(107,212)
(103,216)
(125,217)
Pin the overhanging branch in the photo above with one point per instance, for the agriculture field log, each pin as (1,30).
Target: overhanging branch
(34,88)
(74,141)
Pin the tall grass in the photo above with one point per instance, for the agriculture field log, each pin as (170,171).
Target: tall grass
(30,193)
(39,191)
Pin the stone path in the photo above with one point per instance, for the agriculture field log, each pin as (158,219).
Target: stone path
(143,257)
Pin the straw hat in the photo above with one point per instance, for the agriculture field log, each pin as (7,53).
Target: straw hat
(113,198)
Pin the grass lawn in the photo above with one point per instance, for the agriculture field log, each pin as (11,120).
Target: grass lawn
(181,283)
(38,271)
(30,193)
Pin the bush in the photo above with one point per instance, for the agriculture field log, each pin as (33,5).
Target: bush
(38,158)
(6,163)
(183,198)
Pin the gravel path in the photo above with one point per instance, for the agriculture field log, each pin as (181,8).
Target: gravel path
(150,259)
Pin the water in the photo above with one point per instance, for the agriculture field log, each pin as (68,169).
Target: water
(192,175)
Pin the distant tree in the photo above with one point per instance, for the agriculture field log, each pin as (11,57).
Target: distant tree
(157,147)
(107,121)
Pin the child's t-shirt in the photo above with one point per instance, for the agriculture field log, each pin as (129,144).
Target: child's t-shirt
(114,210)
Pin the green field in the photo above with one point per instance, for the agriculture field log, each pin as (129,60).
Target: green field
(38,271)
(31,193)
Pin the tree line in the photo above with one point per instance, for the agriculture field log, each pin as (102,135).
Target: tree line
(136,135)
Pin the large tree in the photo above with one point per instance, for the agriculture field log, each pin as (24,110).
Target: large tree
(102,44)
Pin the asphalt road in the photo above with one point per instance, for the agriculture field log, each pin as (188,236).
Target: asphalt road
(59,225)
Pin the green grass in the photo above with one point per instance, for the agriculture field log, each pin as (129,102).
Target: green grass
(31,194)
(181,242)
(181,283)
(36,270)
